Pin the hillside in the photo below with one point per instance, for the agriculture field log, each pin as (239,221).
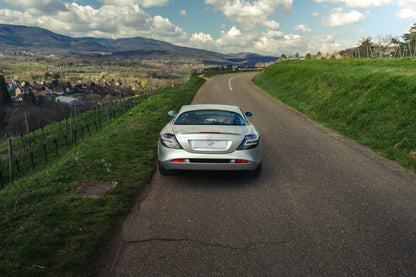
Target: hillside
(15,39)
(33,37)
(371,101)
(49,228)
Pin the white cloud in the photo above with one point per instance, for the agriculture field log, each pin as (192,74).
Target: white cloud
(204,38)
(39,6)
(235,41)
(15,17)
(232,33)
(249,14)
(274,34)
(407,13)
(141,3)
(153,3)
(302,28)
(283,44)
(110,21)
(127,18)
(183,13)
(338,18)
(324,44)
(271,25)
(359,3)
(408,10)
(202,41)
(163,29)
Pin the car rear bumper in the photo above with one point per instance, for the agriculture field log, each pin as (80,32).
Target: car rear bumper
(238,160)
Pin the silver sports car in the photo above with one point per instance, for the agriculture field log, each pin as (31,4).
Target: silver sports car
(210,137)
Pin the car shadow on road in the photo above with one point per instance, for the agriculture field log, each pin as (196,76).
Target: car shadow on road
(215,179)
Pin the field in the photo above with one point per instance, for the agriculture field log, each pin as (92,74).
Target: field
(372,101)
(156,74)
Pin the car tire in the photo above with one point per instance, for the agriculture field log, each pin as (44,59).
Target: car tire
(163,171)
(256,172)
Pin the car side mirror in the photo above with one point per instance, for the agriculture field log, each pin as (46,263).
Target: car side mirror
(172,113)
(248,114)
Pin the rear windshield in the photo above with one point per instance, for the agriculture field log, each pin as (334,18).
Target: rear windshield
(210,117)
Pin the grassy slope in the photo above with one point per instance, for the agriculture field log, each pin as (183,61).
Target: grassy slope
(371,101)
(46,229)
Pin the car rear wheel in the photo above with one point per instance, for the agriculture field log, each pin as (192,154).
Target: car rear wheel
(163,171)
(256,172)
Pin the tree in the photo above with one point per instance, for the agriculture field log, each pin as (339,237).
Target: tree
(29,97)
(308,56)
(283,57)
(296,56)
(411,36)
(47,75)
(365,47)
(4,92)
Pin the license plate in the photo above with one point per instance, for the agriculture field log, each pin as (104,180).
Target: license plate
(209,144)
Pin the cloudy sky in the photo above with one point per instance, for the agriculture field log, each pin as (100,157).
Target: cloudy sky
(269,27)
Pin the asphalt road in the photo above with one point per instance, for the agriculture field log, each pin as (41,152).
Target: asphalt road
(323,206)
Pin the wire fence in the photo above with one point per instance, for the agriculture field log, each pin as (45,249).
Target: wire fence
(21,155)
(379,51)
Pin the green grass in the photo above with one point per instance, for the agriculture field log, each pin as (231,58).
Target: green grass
(46,229)
(91,120)
(371,101)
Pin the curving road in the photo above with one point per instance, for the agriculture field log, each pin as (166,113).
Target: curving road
(323,206)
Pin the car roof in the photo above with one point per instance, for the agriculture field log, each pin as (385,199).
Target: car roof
(231,108)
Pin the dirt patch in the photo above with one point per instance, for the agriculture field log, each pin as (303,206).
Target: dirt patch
(94,189)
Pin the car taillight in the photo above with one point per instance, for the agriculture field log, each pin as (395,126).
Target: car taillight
(178,160)
(169,141)
(241,161)
(250,141)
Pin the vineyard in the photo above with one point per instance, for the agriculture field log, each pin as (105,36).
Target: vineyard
(37,148)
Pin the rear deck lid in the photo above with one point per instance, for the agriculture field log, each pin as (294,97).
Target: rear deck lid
(209,138)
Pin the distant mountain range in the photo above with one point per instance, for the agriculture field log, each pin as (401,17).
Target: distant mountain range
(15,40)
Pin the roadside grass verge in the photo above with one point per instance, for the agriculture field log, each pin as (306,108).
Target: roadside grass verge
(371,101)
(47,228)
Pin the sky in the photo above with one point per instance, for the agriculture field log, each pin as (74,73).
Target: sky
(267,27)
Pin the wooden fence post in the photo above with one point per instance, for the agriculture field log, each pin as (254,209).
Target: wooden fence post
(32,160)
(10,160)
(66,141)
(27,130)
(34,139)
(106,110)
(23,143)
(43,132)
(17,167)
(70,129)
(56,146)
(44,153)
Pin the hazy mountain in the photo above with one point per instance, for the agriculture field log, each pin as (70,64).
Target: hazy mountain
(14,39)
